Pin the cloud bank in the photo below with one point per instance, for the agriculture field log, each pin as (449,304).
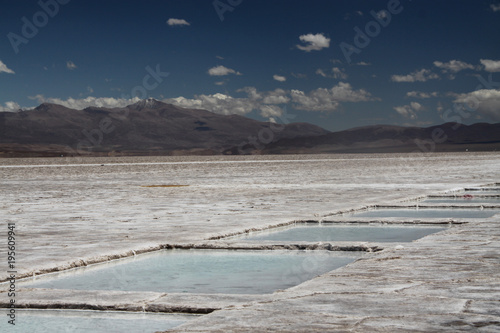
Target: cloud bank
(485,101)
(420,76)
(491,66)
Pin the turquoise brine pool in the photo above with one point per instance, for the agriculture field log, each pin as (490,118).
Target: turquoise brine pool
(326,232)
(200,271)
(461,200)
(427,213)
(57,321)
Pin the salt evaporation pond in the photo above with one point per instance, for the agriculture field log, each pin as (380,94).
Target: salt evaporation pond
(462,200)
(200,271)
(49,321)
(483,191)
(314,232)
(427,213)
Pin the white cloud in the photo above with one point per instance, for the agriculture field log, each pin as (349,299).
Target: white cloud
(314,42)
(279,78)
(299,75)
(362,63)
(421,75)
(222,71)
(453,66)
(70,65)
(495,8)
(5,69)
(319,71)
(277,96)
(217,103)
(484,101)
(323,99)
(491,65)
(174,21)
(270,111)
(439,107)
(10,107)
(409,111)
(220,83)
(339,73)
(419,94)
(382,14)
(252,93)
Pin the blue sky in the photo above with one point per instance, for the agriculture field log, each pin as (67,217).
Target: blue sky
(415,63)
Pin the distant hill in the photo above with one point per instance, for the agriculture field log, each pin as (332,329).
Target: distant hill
(385,138)
(148,127)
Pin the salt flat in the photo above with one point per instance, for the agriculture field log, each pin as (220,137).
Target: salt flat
(74,211)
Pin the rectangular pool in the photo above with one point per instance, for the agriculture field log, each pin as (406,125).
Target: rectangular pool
(200,271)
(326,232)
(49,321)
(483,190)
(462,200)
(427,213)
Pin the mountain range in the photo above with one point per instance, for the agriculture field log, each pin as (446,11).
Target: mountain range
(151,127)
(447,137)
(148,127)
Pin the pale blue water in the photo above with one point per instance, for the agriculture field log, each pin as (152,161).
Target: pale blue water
(201,271)
(332,232)
(428,213)
(461,200)
(56,321)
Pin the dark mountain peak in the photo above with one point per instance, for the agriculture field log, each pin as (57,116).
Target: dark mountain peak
(149,103)
(45,106)
(51,107)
